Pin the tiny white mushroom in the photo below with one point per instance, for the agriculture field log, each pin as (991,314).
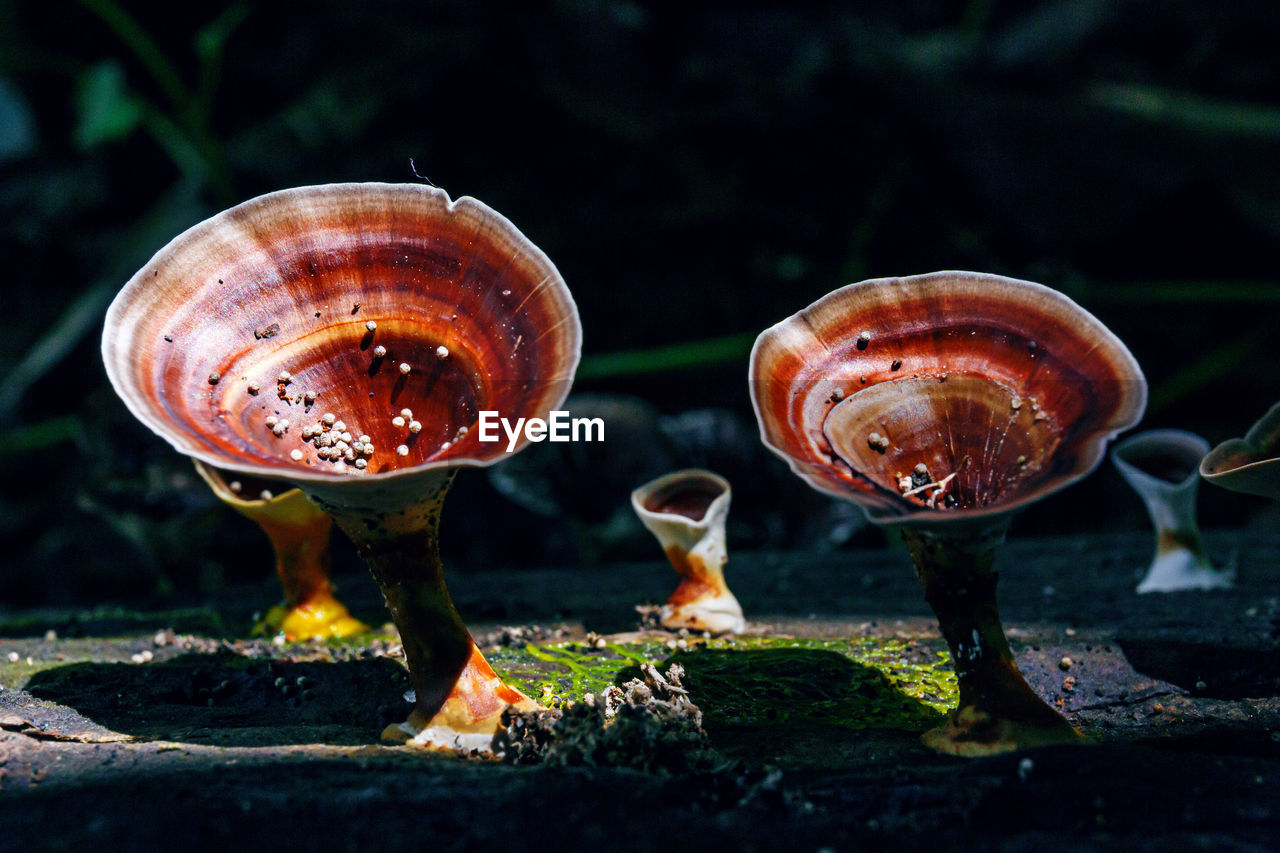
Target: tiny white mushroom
(415,427)
(328,418)
(295,455)
(407,414)
(284,378)
(361,464)
(371,326)
(405,368)
(397,421)
(442,352)
(265,495)
(379,351)
(271,420)
(402,450)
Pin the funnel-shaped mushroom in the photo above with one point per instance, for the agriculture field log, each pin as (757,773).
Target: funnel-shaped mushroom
(943,403)
(686,511)
(346,338)
(1161,466)
(1250,464)
(299,533)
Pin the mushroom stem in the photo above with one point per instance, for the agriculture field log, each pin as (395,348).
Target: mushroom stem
(701,600)
(459,699)
(998,710)
(299,532)
(303,561)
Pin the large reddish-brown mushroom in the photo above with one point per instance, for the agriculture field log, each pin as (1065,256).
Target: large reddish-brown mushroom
(346,338)
(942,404)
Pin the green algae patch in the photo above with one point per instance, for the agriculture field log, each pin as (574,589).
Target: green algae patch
(855,683)
(558,673)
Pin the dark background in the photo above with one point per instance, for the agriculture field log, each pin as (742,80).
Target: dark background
(696,171)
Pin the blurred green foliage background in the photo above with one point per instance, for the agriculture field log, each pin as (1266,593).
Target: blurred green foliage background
(697,172)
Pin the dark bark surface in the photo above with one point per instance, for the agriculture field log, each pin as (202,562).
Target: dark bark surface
(137,731)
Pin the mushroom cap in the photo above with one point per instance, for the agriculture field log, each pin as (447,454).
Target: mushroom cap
(1250,464)
(287,505)
(692,496)
(290,282)
(1160,461)
(1007,384)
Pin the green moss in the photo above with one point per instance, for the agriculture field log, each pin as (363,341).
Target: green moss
(863,682)
(14,675)
(557,673)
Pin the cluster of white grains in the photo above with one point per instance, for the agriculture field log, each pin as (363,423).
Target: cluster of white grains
(278,426)
(402,421)
(335,443)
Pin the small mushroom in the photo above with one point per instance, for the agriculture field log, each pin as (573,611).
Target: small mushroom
(299,533)
(1250,464)
(424,268)
(995,340)
(686,510)
(1161,466)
